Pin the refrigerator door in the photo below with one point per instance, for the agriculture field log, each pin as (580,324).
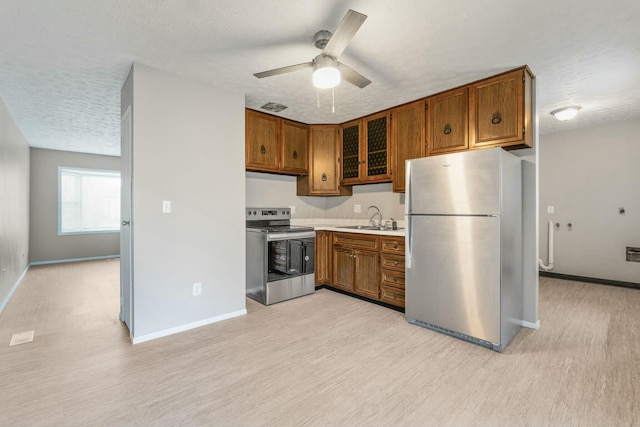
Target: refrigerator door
(453,277)
(455,184)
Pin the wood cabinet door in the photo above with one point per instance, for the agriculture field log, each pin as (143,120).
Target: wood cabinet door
(367,273)
(295,140)
(324,164)
(376,151)
(323,258)
(448,122)
(350,168)
(342,266)
(496,110)
(262,134)
(407,140)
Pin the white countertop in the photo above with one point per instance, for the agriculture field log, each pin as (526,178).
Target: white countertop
(334,224)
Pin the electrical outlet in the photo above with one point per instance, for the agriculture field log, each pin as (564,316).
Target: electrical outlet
(197,289)
(357,208)
(292,209)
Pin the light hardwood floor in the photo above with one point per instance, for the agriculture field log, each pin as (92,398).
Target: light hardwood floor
(324,359)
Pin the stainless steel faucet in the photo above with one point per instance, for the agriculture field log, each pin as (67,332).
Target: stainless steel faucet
(371,221)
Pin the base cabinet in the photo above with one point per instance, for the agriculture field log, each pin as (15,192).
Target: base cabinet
(323,258)
(392,270)
(368,265)
(366,273)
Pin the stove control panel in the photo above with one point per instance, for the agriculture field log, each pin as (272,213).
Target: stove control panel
(255,214)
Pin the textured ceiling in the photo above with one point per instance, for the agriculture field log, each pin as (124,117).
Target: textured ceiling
(62,63)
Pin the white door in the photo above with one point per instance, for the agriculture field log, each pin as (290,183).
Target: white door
(126,255)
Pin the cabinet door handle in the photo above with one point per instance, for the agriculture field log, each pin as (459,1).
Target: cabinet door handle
(324,176)
(295,155)
(496,118)
(447,129)
(263,149)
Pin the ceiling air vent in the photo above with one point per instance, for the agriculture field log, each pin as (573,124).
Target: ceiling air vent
(272,106)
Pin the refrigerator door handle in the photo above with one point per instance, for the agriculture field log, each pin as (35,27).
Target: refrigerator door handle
(407,258)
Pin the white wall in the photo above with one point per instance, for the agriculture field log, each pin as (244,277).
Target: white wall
(265,189)
(381,195)
(45,243)
(587,175)
(271,190)
(188,147)
(14,204)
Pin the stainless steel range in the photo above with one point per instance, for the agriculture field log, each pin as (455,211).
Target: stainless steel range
(280,257)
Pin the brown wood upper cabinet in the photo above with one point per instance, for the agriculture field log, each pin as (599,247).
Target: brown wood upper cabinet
(365,150)
(275,145)
(407,139)
(500,111)
(262,148)
(323,178)
(448,122)
(295,140)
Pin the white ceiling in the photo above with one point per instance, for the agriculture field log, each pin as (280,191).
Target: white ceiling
(62,63)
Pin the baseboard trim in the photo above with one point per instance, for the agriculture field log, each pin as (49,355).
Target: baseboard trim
(60,261)
(590,280)
(530,325)
(188,326)
(13,289)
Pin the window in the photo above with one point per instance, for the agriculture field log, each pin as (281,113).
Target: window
(88,201)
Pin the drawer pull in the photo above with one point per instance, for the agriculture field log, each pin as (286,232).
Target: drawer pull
(395,246)
(395,263)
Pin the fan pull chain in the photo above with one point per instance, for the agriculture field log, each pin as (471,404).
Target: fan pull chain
(333,100)
(318,96)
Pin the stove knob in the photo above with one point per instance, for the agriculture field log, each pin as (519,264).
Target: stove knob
(255,213)
(249,213)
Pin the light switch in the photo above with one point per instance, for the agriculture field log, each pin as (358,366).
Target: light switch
(166,206)
(550,209)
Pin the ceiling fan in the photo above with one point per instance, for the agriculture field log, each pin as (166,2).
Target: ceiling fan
(327,71)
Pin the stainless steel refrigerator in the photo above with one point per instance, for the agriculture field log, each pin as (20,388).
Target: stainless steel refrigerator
(464,245)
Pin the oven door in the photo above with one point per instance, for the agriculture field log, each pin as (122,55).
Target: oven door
(301,256)
(290,255)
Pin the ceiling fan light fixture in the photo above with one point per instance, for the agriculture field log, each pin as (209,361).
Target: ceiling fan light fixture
(325,72)
(566,113)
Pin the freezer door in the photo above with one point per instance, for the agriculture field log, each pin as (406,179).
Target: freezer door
(453,277)
(455,184)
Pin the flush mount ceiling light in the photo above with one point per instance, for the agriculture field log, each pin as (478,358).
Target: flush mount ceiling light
(325,72)
(566,113)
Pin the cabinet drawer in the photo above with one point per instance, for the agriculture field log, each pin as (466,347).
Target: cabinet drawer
(394,245)
(391,295)
(393,278)
(392,262)
(355,240)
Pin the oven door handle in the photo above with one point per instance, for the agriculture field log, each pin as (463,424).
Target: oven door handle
(290,236)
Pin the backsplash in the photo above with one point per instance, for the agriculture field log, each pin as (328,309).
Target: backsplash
(263,189)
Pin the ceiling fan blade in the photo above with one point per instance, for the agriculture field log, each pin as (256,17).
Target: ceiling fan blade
(283,70)
(353,77)
(344,33)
